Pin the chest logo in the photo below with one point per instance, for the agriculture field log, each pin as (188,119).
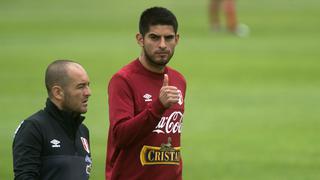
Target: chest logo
(170,124)
(165,154)
(147,97)
(85,144)
(55,143)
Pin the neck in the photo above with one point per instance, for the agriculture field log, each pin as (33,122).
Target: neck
(57,103)
(151,66)
(60,107)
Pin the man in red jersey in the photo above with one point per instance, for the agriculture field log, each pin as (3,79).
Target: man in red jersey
(146,106)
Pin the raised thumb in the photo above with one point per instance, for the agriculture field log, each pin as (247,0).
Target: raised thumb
(165,80)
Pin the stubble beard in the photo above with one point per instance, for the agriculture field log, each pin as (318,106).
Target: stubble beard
(158,64)
(67,106)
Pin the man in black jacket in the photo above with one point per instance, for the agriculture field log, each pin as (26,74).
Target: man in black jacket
(53,143)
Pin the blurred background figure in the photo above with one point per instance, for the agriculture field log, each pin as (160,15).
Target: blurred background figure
(229,9)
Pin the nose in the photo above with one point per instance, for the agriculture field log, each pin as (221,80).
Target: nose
(87,91)
(162,44)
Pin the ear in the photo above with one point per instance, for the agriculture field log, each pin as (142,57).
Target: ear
(139,39)
(177,38)
(57,92)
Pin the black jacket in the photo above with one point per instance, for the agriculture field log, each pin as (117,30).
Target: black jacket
(52,144)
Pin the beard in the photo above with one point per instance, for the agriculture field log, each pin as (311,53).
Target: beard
(70,105)
(66,105)
(160,62)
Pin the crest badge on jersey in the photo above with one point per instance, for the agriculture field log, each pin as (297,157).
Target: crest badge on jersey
(85,144)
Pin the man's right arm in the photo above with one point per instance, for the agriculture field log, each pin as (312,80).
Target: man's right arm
(27,151)
(126,126)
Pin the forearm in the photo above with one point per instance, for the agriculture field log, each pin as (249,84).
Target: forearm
(129,130)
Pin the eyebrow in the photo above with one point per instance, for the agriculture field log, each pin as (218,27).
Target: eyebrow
(157,35)
(83,83)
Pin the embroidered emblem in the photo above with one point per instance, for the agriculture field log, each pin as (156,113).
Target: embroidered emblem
(85,144)
(55,143)
(147,97)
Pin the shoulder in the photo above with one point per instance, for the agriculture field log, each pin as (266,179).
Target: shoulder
(123,77)
(40,119)
(126,71)
(33,126)
(36,122)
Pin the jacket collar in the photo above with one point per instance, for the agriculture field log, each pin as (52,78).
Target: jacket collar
(70,121)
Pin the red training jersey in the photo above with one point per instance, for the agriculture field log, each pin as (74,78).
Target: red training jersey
(144,137)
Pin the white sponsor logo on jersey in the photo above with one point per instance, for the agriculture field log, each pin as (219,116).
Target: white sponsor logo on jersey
(170,124)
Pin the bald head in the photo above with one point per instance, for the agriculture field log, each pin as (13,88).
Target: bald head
(57,74)
(67,84)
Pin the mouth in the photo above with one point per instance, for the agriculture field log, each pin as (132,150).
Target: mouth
(162,53)
(85,102)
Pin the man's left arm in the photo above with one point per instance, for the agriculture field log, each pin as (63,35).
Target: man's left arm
(26,148)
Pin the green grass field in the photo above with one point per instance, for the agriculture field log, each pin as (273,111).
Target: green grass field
(252,106)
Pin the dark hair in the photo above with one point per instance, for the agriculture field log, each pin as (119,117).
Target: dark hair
(57,74)
(157,16)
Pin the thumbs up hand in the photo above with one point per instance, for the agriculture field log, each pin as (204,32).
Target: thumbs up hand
(165,80)
(169,95)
